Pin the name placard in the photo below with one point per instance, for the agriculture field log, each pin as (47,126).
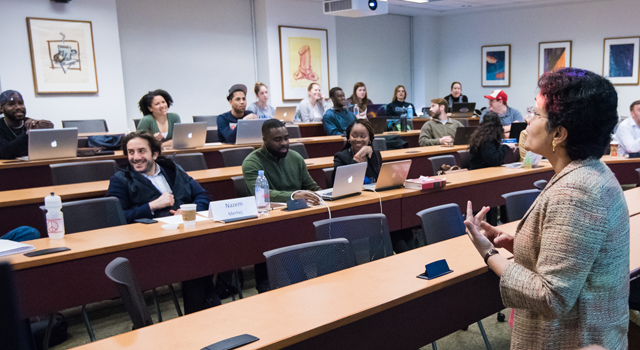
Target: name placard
(233,209)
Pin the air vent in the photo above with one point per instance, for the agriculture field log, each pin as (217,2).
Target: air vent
(339,5)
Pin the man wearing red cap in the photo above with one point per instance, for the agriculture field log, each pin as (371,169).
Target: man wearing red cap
(498,104)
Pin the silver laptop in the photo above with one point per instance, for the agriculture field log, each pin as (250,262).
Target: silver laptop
(189,135)
(286,114)
(249,131)
(52,143)
(392,175)
(348,182)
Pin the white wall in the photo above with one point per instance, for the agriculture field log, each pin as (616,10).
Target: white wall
(15,61)
(194,49)
(586,24)
(377,51)
(426,60)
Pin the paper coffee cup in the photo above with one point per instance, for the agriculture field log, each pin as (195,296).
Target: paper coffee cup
(188,214)
(614,149)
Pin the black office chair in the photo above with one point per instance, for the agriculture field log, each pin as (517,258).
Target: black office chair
(86,126)
(305,261)
(300,148)
(121,273)
(445,222)
(518,203)
(211,120)
(438,161)
(190,161)
(212,136)
(379,144)
(136,122)
(71,173)
(328,177)
(465,159)
(235,156)
(541,184)
(240,186)
(294,131)
(368,235)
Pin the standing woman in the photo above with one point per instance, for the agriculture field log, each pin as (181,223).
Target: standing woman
(456,95)
(358,149)
(568,282)
(260,107)
(485,144)
(157,121)
(399,106)
(312,108)
(359,99)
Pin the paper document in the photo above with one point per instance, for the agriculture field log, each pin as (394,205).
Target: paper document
(8,247)
(177,219)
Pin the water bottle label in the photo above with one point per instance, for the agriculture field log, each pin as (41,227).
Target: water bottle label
(259,197)
(55,225)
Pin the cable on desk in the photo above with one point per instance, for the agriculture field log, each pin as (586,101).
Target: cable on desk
(316,195)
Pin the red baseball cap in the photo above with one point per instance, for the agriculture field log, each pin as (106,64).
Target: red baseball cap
(497,95)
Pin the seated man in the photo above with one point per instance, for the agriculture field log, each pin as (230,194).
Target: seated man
(227,122)
(441,129)
(15,126)
(498,104)
(628,132)
(151,186)
(286,172)
(336,119)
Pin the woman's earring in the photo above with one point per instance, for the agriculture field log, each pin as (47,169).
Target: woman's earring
(553,143)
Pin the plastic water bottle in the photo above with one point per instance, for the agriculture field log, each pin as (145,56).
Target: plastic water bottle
(263,201)
(356,110)
(55,219)
(295,118)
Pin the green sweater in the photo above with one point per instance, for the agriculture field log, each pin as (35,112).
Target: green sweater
(284,175)
(433,130)
(148,124)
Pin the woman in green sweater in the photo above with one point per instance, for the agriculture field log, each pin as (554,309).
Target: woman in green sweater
(157,121)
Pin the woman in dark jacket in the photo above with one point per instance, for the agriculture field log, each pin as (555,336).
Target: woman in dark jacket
(359,149)
(485,144)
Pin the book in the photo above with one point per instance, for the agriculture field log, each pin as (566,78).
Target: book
(424,182)
(8,247)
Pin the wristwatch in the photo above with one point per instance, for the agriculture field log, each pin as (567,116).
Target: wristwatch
(491,252)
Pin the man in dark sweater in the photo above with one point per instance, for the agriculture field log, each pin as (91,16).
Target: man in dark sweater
(336,119)
(15,126)
(227,122)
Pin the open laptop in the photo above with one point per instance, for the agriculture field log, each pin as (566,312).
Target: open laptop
(376,111)
(463,134)
(286,114)
(189,135)
(516,129)
(463,110)
(392,175)
(249,131)
(348,182)
(52,143)
(379,125)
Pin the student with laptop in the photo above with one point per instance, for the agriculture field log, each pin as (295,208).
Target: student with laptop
(227,122)
(441,129)
(485,144)
(15,126)
(337,119)
(498,104)
(456,95)
(359,149)
(312,108)
(261,108)
(157,120)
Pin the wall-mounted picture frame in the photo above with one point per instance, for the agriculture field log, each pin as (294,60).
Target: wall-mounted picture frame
(496,65)
(621,60)
(553,55)
(304,59)
(62,56)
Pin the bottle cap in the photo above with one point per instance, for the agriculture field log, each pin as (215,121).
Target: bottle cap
(53,201)
(260,172)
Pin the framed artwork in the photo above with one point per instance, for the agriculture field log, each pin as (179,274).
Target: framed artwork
(553,55)
(62,56)
(620,61)
(496,65)
(304,59)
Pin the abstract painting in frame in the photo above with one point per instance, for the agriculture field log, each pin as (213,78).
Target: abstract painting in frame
(553,55)
(496,65)
(62,56)
(304,59)
(621,61)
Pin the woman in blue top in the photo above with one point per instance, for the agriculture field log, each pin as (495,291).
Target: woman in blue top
(157,121)
(260,107)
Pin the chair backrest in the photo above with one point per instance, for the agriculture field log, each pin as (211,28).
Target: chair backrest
(437,162)
(300,148)
(379,144)
(121,273)
(91,214)
(368,235)
(72,173)
(441,223)
(136,122)
(90,125)
(211,120)
(212,136)
(235,156)
(518,203)
(190,161)
(465,159)
(305,261)
(541,184)
(240,186)
(328,177)
(464,122)
(294,131)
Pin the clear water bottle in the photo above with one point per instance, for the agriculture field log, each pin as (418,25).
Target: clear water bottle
(55,219)
(263,201)
(296,119)
(356,110)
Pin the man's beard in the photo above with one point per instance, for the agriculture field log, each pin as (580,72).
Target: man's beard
(276,152)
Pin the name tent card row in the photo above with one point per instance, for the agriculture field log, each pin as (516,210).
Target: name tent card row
(233,209)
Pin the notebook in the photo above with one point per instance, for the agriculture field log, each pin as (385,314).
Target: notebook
(392,175)
(189,135)
(8,247)
(249,131)
(463,134)
(285,114)
(348,182)
(463,110)
(52,143)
